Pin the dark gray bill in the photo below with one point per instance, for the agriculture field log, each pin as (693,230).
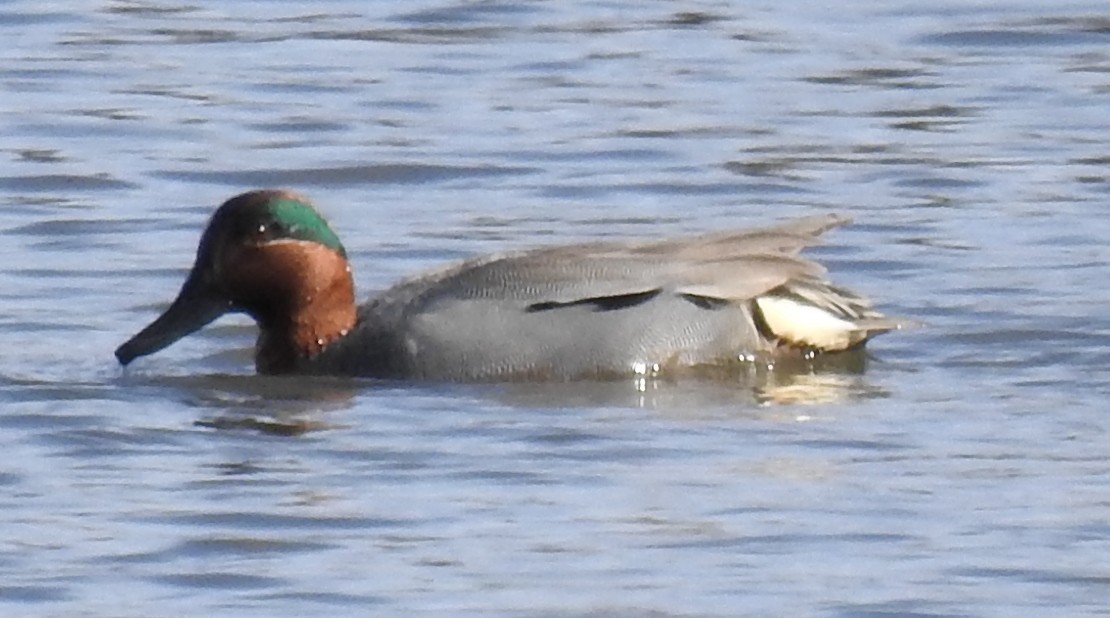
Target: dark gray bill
(194,307)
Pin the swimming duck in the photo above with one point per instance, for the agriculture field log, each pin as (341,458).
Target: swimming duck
(566,312)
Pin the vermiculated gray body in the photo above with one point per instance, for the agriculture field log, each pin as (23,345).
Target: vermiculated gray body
(604,308)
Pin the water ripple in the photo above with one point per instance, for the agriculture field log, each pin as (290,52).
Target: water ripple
(399,173)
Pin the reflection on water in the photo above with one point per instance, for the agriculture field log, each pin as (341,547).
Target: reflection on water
(743,389)
(293,405)
(814,389)
(274,405)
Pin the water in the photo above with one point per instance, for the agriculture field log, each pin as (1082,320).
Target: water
(963,473)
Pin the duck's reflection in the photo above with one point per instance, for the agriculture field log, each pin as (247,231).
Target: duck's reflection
(294,405)
(266,404)
(744,387)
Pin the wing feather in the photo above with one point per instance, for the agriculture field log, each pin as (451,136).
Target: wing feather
(728,265)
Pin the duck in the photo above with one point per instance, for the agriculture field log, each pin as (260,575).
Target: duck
(569,312)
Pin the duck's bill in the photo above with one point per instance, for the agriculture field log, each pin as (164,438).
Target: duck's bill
(193,308)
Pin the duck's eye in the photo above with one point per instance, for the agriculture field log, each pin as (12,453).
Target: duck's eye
(268,231)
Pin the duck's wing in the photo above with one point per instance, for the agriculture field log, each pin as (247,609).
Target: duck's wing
(730,265)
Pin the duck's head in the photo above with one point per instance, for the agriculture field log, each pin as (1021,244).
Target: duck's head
(271,255)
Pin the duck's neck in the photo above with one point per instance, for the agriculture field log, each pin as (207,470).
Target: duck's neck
(320,311)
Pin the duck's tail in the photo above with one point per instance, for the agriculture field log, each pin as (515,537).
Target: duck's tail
(813,313)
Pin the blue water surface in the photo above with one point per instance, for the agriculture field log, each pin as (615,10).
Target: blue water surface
(962,472)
